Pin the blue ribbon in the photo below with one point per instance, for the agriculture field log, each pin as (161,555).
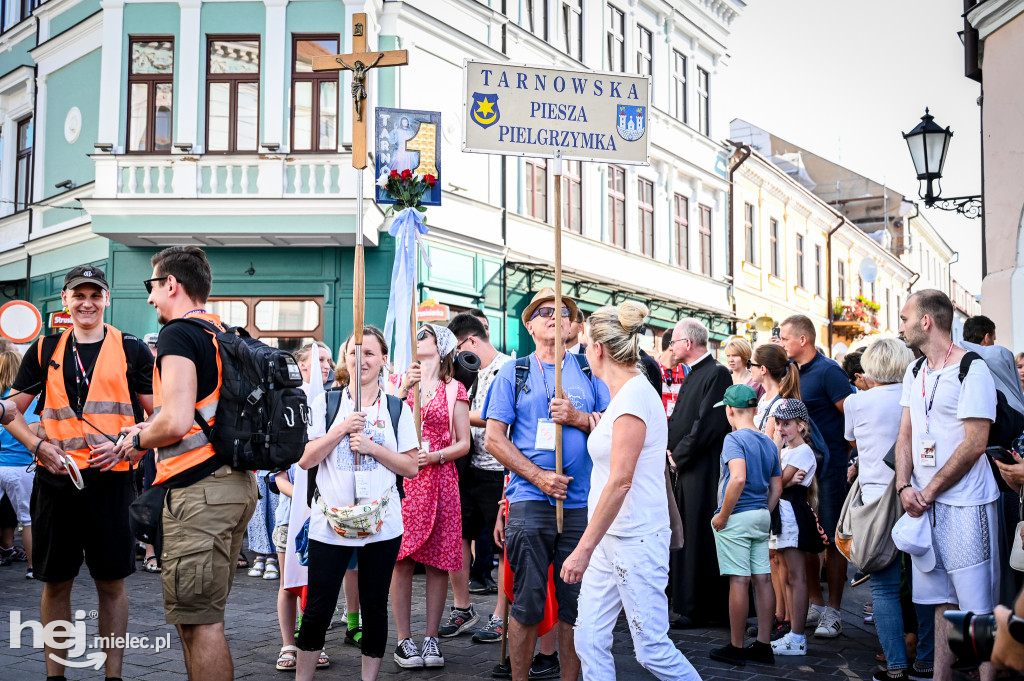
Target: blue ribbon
(407,228)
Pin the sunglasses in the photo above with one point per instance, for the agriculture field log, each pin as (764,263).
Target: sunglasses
(548,312)
(751,363)
(148,283)
(423,333)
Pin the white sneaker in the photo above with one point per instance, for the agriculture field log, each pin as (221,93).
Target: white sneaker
(787,645)
(830,625)
(813,615)
(432,656)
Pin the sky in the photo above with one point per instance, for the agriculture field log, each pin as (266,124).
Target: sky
(843,80)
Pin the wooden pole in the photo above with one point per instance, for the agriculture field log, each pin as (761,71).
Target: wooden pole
(416,404)
(557,163)
(504,627)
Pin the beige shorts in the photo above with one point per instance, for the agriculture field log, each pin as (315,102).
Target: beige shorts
(280,538)
(203,526)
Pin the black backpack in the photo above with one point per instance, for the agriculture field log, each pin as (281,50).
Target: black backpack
(333,405)
(262,415)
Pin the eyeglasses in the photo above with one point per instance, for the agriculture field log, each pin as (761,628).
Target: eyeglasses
(464,341)
(148,283)
(676,340)
(548,312)
(751,363)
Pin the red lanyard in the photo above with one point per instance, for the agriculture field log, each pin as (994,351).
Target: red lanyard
(928,403)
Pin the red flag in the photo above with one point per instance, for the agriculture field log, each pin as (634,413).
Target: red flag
(550,604)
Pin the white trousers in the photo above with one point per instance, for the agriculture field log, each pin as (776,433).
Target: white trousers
(630,573)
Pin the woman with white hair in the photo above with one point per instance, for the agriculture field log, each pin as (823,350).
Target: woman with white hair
(622,557)
(872,425)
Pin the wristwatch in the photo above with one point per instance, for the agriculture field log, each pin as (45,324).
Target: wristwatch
(135,442)
(1015,625)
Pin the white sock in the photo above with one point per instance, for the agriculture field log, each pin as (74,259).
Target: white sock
(820,608)
(797,638)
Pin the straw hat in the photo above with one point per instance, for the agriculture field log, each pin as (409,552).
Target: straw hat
(547,295)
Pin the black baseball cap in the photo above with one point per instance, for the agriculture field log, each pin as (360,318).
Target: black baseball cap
(85,274)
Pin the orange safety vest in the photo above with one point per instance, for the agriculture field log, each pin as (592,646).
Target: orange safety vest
(194,448)
(108,402)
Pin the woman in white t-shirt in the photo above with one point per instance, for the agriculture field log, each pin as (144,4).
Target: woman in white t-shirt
(622,557)
(872,426)
(358,459)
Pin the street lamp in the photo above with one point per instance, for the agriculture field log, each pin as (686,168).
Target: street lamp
(928,143)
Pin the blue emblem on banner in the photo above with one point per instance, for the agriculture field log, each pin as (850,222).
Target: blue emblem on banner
(485,109)
(631,121)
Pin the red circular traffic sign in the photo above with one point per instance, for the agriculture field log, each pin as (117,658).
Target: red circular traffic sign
(20,321)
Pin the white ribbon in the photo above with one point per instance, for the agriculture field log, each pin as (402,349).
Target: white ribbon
(407,228)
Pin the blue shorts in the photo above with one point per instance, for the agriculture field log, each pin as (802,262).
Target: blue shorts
(832,491)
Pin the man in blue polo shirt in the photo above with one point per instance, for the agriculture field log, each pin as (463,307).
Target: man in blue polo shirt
(824,386)
(532,541)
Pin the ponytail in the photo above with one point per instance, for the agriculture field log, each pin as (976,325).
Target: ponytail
(784,370)
(789,386)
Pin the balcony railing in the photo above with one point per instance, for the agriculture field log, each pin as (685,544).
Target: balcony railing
(858,310)
(188,176)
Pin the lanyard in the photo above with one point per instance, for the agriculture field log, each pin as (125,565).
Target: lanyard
(929,402)
(81,375)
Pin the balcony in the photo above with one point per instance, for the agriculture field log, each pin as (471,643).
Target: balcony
(229,200)
(855,318)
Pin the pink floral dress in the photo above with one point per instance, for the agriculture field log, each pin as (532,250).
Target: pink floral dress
(431,510)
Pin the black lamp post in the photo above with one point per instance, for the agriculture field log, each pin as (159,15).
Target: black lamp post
(928,143)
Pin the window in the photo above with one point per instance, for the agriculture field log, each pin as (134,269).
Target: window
(703,102)
(679,86)
(150,93)
(705,240)
(572,28)
(23,165)
(682,225)
(818,272)
(617,205)
(616,39)
(314,95)
(776,247)
(232,93)
(27,6)
(281,322)
(644,51)
(537,18)
(888,309)
(841,272)
(873,299)
(800,261)
(572,197)
(645,205)
(537,189)
(750,254)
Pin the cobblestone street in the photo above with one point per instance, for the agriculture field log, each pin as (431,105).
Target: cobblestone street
(254,638)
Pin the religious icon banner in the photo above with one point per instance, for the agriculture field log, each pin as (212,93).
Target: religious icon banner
(408,140)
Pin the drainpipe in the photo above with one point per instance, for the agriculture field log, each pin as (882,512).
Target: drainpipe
(28,199)
(503,200)
(949,273)
(828,277)
(746,151)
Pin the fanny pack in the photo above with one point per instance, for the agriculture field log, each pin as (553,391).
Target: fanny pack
(359,520)
(145,516)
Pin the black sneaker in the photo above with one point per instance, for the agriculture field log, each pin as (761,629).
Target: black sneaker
(351,637)
(914,674)
(491,633)
(502,670)
(432,656)
(780,630)
(458,622)
(492,586)
(883,675)
(759,653)
(477,587)
(728,654)
(407,655)
(545,667)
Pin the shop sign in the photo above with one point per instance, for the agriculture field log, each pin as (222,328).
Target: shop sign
(431,311)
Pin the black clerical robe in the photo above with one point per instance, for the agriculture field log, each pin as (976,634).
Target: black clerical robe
(696,430)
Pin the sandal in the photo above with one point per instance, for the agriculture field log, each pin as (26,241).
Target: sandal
(242,563)
(323,662)
(257,567)
(287,659)
(271,571)
(151,565)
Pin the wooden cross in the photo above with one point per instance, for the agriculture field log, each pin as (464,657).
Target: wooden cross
(359,62)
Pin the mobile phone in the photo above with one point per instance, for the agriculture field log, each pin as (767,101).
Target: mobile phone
(1000,454)
(120,438)
(776,332)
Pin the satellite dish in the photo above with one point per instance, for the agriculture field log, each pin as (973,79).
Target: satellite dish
(868,269)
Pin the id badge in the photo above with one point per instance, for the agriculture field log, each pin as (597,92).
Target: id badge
(928,453)
(362,484)
(545,435)
(670,406)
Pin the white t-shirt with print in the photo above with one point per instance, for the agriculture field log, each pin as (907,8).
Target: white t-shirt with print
(335,478)
(954,401)
(802,458)
(645,508)
(482,459)
(873,422)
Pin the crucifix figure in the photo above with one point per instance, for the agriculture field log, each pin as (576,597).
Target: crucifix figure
(359,82)
(359,62)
